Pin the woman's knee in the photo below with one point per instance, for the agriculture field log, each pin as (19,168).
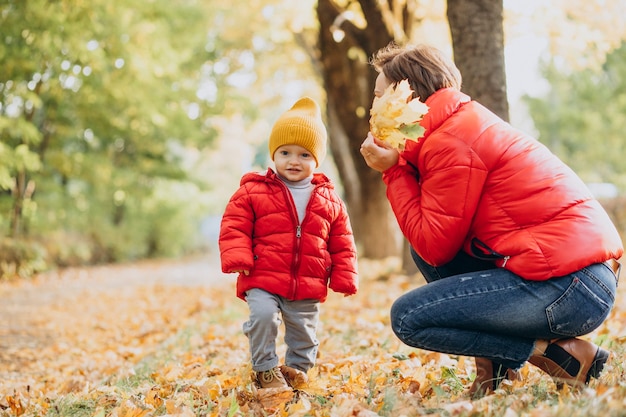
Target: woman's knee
(397,314)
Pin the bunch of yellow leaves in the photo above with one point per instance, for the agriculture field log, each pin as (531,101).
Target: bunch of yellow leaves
(395,115)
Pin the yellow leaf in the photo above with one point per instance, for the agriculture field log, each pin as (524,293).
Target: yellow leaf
(128,409)
(395,115)
(274,399)
(153,398)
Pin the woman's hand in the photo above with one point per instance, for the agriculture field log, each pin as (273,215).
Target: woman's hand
(377,154)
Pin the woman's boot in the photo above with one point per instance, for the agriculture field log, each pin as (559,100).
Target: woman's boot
(489,375)
(572,361)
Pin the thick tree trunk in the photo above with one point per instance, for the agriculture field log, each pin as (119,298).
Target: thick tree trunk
(349,84)
(478,42)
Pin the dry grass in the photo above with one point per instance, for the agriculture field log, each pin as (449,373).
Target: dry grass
(156,348)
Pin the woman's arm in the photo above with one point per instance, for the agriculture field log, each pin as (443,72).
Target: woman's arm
(435,208)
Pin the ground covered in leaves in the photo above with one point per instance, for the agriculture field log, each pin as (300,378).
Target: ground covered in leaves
(164,339)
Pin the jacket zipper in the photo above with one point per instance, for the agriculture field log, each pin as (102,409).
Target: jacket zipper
(481,251)
(296,253)
(296,258)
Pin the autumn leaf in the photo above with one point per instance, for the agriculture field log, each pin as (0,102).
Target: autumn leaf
(153,398)
(128,409)
(395,115)
(16,404)
(273,399)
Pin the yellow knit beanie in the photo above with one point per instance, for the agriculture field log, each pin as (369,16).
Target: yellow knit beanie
(301,125)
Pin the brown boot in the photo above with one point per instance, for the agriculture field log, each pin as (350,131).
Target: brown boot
(295,378)
(272,378)
(489,375)
(572,361)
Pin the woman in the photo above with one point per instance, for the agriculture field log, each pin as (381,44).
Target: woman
(520,259)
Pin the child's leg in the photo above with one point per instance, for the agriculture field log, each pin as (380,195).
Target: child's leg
(301,318)
(262,329)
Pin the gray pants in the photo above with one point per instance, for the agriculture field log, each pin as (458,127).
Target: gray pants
(300,318)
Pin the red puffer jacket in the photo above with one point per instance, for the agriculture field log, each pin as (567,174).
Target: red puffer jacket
(473,182)
(260,233)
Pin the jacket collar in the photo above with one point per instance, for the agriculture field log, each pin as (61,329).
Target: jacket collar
(441,105)
(270,175)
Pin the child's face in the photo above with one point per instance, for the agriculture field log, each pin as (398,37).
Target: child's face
(294,163)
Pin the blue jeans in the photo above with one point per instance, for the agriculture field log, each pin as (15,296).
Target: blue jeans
(472,308)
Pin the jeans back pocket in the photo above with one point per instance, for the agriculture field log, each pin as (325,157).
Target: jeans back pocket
(578,311)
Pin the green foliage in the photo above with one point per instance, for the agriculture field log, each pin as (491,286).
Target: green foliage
(101,104)
(20,258)
(582,118)
(109,110)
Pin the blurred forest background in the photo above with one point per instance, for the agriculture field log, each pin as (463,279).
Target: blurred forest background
(125,125)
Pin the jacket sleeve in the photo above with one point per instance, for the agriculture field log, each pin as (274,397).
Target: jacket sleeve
(435,211)
(344,273)
(235,240)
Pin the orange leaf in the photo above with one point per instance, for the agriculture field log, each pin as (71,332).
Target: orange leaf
(15,403)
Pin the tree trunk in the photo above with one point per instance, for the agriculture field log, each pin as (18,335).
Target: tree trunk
(478,42)
(349,83)
(19,191)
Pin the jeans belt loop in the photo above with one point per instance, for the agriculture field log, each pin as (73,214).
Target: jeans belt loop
(614,266)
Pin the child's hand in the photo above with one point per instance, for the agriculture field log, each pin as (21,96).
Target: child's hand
(243,271)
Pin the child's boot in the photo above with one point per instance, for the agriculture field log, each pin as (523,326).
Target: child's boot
(272,378)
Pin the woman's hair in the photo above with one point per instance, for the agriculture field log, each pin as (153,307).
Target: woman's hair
(426,68)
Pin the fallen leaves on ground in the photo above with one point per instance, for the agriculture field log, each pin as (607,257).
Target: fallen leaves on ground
(165,339)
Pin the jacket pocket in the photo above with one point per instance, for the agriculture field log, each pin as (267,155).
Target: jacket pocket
(481,251)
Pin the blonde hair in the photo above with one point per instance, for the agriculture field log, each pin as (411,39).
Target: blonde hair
(426,68)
